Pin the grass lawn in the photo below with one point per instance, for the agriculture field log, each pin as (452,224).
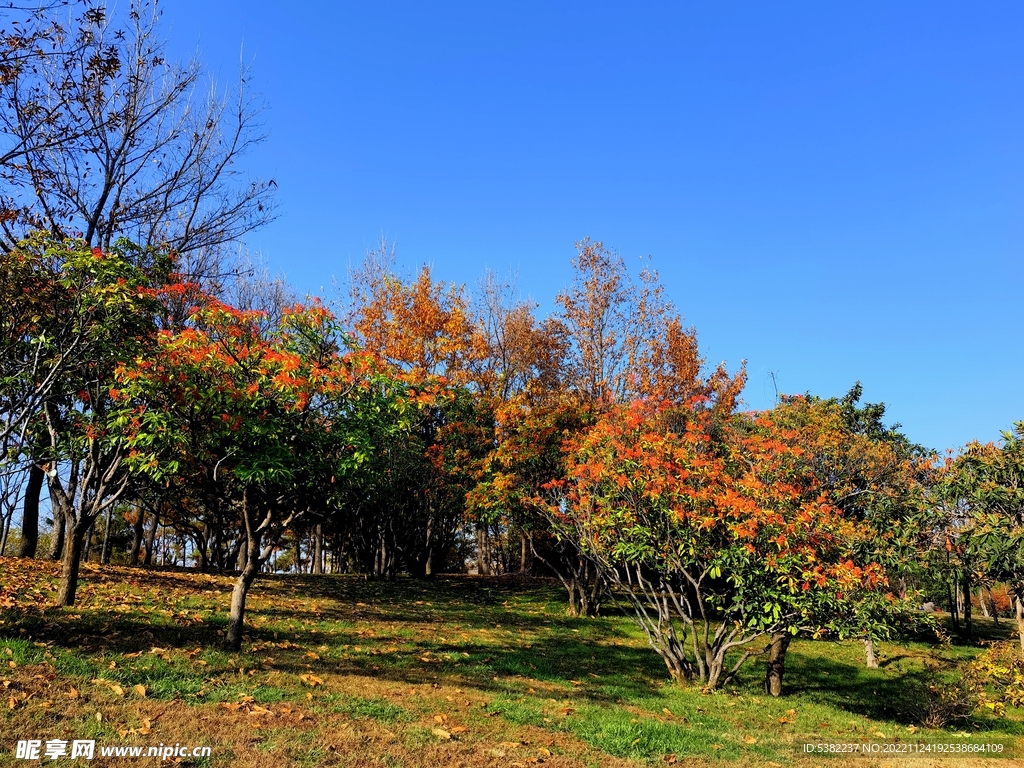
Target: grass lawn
(457,671)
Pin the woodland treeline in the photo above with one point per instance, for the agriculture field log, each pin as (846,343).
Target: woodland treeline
(177,406)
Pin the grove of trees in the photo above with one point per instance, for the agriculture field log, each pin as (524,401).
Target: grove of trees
(162,399)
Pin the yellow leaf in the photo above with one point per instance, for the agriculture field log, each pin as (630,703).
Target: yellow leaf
(311,680)
(441,718)
(667,711)
(749,740)
(458,729)
(11,702)
(99,717)
(441,733)
(73,693)
(140,690)
(547,752)
(117,689)
(310,655)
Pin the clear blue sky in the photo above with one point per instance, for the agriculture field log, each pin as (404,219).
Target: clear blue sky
(831,193)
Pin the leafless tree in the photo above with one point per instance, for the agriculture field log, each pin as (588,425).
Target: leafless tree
(103,137)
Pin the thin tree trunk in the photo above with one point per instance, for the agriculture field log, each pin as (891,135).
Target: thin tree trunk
(236,620)
(1020,622)
(483,555)
(6,530)
(151,539)
(138,528)
(30,512)
(524,552)
(88,541)
(105,550)
(965,591)
(992,605)
(318,549)
(776,663)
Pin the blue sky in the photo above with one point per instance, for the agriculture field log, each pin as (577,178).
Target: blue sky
(831,193)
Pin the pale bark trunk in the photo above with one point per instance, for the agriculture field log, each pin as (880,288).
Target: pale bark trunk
(1020,622)
(869,654)
(483,555)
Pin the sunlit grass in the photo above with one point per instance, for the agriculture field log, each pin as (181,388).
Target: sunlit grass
(420,672)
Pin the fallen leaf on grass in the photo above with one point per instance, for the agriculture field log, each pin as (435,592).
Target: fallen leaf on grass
(667,711)
(99,717)
(140,690)
(441,733)
(11,702)
(73,693)
(749,740)
(458,729)
(311,680)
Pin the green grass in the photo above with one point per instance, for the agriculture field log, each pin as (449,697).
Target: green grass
(340,661)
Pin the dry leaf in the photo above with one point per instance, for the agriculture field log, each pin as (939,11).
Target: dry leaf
(441,733)
(11,702)
(311,680)
(117,689)
(441,717)
(458,729)
(671,759)
(73,693)
(99,717)
(667,711)
(545,751)
(749,740)
(140,690)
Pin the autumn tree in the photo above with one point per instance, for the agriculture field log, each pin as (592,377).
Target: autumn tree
(103,307)
(263,419)
(107,138)
(713,543)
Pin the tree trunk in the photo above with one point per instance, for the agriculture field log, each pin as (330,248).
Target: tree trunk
(869,654)
(954,617)
(992,605)
(483,554)
(236,620)
(965,592)
(138,527)
(1020,623)
(525,563)
(30,512)
(318,549)
(105,550)
(151,539)
(73,545)
(57,542)
(776,663)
